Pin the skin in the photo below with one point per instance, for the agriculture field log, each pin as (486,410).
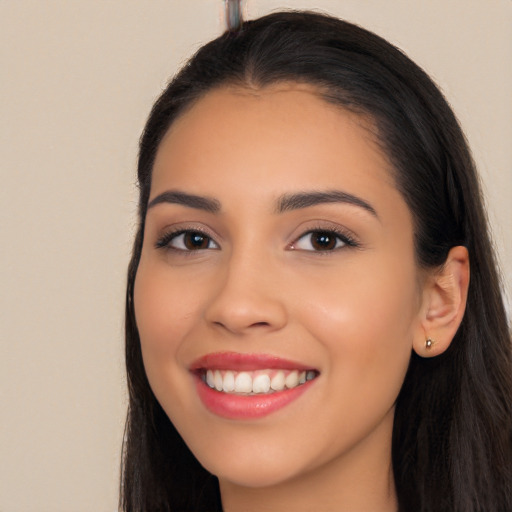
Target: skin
(260,286)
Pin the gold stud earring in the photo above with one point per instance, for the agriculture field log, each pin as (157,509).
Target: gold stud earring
(428,343)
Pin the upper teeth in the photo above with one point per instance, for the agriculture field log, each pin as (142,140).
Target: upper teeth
(261,381)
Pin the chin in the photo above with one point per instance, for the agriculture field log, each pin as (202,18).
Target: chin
(258,466)
(255,476)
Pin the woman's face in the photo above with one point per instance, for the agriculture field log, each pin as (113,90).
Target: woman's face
(277,250)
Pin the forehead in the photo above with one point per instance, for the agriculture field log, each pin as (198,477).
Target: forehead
(269,141)
(266,111)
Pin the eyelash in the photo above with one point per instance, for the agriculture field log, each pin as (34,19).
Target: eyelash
(165,241)
(339,235)
(347,240)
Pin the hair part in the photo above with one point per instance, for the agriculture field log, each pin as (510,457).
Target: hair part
(452,437)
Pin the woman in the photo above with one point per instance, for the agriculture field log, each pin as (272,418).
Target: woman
(301,331)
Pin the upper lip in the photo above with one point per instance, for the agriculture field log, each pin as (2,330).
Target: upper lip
(245,362)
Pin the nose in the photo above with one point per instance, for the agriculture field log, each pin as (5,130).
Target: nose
(248,297)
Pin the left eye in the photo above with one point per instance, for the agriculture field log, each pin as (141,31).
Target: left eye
(320,241)
(188,241)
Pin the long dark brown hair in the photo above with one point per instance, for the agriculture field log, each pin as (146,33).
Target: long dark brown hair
(452,438)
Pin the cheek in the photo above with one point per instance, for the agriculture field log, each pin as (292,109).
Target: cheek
(166,310)
(374,308)
(366,321)
(164,307)
(164,313)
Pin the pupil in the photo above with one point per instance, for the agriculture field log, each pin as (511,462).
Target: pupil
(195,241)
(323,241)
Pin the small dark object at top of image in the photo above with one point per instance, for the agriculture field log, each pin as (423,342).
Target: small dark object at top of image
(233,14)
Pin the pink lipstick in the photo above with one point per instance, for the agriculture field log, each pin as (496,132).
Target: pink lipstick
(249,386)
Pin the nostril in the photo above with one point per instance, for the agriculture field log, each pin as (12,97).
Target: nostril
(238,313)
(255,324)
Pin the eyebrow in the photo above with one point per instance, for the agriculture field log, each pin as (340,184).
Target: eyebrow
(192,201)
(285,203)
(288,202)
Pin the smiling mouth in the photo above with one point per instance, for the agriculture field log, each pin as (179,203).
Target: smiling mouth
(248,387)
(258,382)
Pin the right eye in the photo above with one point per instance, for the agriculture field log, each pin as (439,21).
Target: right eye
(189,240)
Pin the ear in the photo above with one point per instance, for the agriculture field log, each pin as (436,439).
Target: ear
(443,305)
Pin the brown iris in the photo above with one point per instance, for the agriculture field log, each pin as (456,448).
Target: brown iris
(194,240)
(323,240)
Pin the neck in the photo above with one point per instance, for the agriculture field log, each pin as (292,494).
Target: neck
(358,481)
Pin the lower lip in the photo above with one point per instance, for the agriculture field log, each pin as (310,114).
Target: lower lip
(240,407)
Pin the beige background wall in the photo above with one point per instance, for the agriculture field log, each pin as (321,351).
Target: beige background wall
(78,78)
